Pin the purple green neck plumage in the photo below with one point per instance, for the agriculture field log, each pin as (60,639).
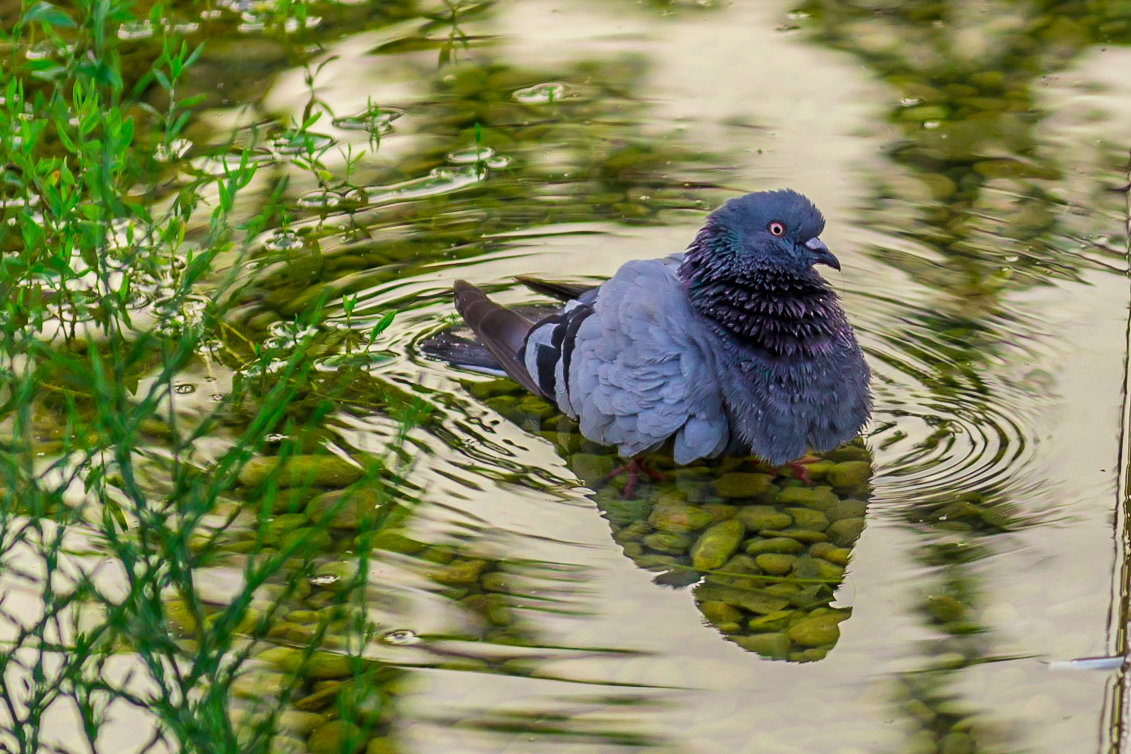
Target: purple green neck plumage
(768,308)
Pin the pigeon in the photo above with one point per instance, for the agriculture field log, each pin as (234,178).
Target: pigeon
(736,346)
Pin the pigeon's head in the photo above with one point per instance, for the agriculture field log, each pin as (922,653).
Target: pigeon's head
(772,229)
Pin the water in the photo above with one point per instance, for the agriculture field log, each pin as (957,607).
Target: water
(968,158)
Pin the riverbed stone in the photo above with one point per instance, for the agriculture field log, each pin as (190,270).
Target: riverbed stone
(459,574)
(776,564)
(742,484)
(679,519)
(720,612)
(831,553)
(775,621)
(344,509)
(807,518)
(297,721)
(849,474)
(783,545)
(818,498)
(759,517)
(301,471)
(669,542)
(774,645)
(846,531)
(331,738)
(816,630)
(847,509)
(807,536)
(590,466)
(717,544)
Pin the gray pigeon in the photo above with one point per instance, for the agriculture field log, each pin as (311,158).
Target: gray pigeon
(736,346)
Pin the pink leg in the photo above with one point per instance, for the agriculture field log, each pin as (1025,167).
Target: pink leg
(634,468)
(800,468)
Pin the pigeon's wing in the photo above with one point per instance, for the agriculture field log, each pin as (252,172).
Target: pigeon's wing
(639,368)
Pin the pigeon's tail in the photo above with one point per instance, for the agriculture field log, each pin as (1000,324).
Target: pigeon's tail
(501,330)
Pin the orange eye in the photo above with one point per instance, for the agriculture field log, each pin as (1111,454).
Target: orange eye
(776,228)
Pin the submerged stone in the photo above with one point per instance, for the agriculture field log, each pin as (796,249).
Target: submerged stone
(459,574)
(806,518)
(816,630)
(345,509)
(776,564)
(332,737)
(679,519)
(818,498)
(717,544)
(849,474)
(775,645)
(301,471)
(846,531)
(590,466)
(759,517)
(720,612)
(669,542)
(742,484)
(783,545)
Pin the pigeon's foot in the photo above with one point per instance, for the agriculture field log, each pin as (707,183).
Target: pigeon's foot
(634,469)
(800,468)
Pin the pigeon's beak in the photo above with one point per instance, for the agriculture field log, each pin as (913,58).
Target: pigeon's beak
(821,253)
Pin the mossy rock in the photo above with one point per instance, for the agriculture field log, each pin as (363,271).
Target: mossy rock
(668,542)
(759,517)
(807,518)
(846,531)
(459,574)
(816,630)
(776,564)
(679,519)
(818,498)
(715,546)
(301,471)
(345,509)
(774,645)
(782,545)
(331,738)
(742,484)
(849,474)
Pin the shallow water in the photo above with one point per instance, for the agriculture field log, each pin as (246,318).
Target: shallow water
(969,160)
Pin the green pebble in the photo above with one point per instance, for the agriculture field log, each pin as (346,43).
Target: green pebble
(814,631)
(956,743)
(497,581)
(720,612)
(306,539)
(382,746)
(742,484)
(775,645)
(320,665)
(633,549)
(679,519)
(345,509)
(945,608)
(633,531)
(493,388)
(297,721)
(801,535)
(717,544)
(331,738)
(759,517)
(535,406)
(292,499)
(818,498)
(459,574)
(590,467)
(776,621)
(849,474)
(301,471)
(671,497)
(393,541)
(806,518)
(830,552)
(846,531)
(847,509)
(782,545)
(671,543)
(777,564)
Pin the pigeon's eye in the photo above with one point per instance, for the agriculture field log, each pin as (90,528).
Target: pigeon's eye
(776,228)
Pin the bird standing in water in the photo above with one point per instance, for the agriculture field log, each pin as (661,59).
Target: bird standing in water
(737,346)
